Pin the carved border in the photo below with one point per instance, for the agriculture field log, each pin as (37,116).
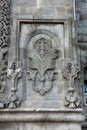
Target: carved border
(4,39)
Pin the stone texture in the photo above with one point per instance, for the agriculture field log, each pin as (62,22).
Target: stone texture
(40,126)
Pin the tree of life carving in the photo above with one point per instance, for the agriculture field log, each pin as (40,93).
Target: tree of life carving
(42,60)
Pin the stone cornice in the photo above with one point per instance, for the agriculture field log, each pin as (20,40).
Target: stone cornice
(41,115)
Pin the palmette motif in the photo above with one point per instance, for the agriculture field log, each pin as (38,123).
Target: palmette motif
(42,61)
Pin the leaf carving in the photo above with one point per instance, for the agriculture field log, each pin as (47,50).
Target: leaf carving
(42,60)
(42,64)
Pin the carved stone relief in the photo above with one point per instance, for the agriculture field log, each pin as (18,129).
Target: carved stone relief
(13,100)
(72,98)
(13,73)
(4,32)
(42,60)
(40,53)
(70,72)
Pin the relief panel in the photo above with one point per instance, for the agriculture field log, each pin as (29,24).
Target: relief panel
(42,60)
(40,52)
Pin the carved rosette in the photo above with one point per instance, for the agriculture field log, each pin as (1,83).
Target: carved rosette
(4,33)
(70,72)
(13,73)
(41,69)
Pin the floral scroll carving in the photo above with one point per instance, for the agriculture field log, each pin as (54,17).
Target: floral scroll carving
(4,32)
(42,61)
(70,72)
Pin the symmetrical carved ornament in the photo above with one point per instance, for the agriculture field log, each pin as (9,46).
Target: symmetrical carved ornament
(70,72)
(13,100)
(13,73)
(72,98)
(4,32)
(42,61)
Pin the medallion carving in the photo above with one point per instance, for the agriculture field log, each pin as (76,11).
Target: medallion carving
(42,63)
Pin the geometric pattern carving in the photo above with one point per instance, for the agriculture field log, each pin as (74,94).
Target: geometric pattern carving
(42,61)
(4,32)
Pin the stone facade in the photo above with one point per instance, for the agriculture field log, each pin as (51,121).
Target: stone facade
(40,70)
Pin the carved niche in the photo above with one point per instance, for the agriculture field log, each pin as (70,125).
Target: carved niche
(4,32)
(41,69)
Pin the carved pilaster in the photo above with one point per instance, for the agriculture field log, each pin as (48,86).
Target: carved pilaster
(4,34)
